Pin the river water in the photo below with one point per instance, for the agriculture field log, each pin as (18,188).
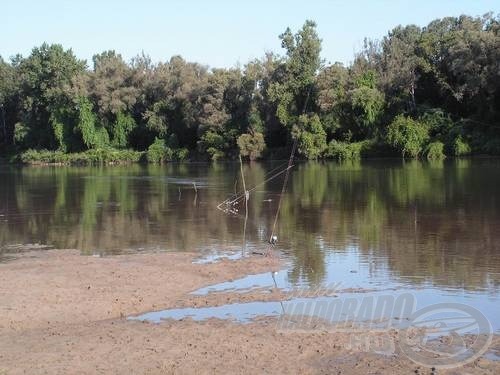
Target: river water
(431,228)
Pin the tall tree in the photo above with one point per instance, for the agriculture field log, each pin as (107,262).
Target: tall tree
(46,110)
(293,88)
(8,102)
(400,65)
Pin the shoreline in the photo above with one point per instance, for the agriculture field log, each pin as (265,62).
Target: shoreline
(65,313)
(6,162)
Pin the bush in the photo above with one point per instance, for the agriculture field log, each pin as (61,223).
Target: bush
(311,136)
(407,136)
(213,144)
(460,147)
(121,128)
(21,132)
(435,151)
(251,145)
(157,152)
(94,156)
(181,154)
(438,122)
(344,150)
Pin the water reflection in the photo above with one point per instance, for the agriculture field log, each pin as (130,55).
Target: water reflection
(416,222)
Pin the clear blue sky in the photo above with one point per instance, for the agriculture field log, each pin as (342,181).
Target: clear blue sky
(218,33)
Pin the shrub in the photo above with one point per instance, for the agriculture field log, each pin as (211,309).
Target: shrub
(122,126)
(460,147)
(435,151)
(94,156)
(20,133)
(438,122)
(406,135)
(181,154)
(157,152)
(213,144)
(344,150)
(251,145)
(92,134)
(311,136)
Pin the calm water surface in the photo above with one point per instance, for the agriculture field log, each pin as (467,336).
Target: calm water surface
(433,228)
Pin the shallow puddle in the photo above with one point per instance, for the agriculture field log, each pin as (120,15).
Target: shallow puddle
(375,310)
(239,312)
(251,282)
(492,356)
(214,257)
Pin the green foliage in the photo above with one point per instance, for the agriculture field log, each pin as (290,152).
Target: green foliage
(93,156)
(460,147)
(438,122)
(123,125)
(251,145)
(20,134)
(291,95)
(58,128)
(111,85)
(157,152)
(155,120)
(160,152)
(367,105)
(435,151)
(255,123)
(367,79)
(344,150)
(217,143)
(407,136)
(93,135)
(44,77)
(62,121)
(443,77)
(311,137)
(181,154)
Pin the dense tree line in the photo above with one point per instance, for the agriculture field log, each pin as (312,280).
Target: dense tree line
(425,91)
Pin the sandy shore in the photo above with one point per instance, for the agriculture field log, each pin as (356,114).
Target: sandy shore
(62,313)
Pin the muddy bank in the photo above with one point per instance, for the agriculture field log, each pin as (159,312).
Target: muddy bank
(64,313)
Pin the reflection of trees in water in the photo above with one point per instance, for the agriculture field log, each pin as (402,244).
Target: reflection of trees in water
(370,205)
(453,241)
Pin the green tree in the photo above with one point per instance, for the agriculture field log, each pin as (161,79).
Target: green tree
(332,85)
(9,97)
(400,66)
(251,145)
(310,135)
(93,134)
(367,103)
(122,127)
(407,136)
(292,90)
(45,106)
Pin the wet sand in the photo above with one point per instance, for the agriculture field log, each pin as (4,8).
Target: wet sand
(62,313)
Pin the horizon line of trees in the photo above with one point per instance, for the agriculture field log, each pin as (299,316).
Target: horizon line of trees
(430,91)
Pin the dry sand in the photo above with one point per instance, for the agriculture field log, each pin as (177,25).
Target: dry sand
(62,313)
